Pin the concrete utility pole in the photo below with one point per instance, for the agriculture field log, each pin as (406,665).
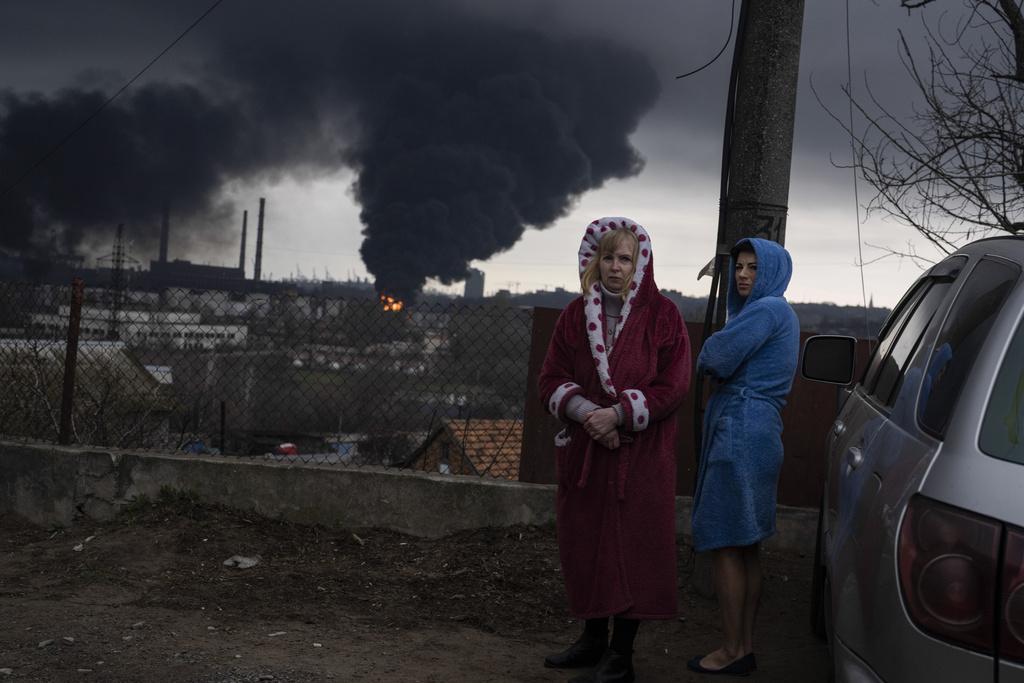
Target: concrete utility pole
(758,149)
(761,144)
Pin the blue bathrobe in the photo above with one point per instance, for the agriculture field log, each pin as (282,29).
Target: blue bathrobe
(752,360)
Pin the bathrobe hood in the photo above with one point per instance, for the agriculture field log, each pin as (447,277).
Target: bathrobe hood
(774,269)
(641,290)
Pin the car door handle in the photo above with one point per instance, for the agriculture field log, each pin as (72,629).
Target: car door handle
(854,458)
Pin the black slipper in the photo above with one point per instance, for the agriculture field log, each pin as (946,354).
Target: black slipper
(741,667)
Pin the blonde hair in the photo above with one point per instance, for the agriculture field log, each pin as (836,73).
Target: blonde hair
(608,244)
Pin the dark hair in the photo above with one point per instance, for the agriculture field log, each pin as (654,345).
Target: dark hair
(742,246)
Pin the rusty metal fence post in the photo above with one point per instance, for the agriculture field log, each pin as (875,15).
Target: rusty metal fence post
(70,362)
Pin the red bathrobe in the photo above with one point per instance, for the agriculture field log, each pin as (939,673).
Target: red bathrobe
(616,508)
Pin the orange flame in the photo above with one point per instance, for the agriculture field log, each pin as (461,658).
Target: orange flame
(389,304)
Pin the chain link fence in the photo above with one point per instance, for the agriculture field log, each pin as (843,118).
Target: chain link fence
(352,382)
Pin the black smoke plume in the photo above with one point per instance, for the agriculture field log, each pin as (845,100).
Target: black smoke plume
(463,131)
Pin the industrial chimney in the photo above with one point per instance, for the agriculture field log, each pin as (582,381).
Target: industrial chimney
(241,257)
(259,243)
(165,228)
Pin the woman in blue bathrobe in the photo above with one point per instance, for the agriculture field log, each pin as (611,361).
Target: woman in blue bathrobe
(751,362)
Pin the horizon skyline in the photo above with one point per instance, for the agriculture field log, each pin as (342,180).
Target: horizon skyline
(353,279)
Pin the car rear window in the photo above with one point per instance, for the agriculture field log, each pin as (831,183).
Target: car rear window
(897,352)
(960,340)
(1002,429)
(902,331)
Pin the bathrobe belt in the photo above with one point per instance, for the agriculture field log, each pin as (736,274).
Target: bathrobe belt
(622,454)
(747,392)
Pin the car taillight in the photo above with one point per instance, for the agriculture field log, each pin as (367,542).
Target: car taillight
(947,567)
(1012,605)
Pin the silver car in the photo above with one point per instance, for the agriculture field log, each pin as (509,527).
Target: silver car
(919,569)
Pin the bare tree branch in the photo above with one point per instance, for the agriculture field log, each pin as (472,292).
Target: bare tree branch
(954,168)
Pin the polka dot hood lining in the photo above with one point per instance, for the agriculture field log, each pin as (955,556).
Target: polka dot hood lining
(593,305)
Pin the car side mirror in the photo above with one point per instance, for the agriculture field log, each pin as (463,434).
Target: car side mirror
(829,358)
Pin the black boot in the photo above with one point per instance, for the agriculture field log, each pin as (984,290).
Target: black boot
(586,651)
(613,668)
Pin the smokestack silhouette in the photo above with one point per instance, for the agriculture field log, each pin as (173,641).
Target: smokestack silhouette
(165,230)
(241,256)
(259,243)
(463,129)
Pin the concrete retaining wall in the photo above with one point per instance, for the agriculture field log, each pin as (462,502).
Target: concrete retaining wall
(48,484)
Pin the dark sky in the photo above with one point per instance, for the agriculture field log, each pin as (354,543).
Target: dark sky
(408,139)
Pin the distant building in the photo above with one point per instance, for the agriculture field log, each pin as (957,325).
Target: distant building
(172,329)
(476,447)
(180,273)
(474,284)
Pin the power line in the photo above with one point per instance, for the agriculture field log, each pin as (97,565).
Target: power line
(853,154)
(732,20)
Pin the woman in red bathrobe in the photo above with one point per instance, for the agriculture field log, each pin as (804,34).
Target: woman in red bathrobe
(616,372)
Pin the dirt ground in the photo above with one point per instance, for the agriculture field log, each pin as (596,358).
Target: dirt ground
(147,596)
